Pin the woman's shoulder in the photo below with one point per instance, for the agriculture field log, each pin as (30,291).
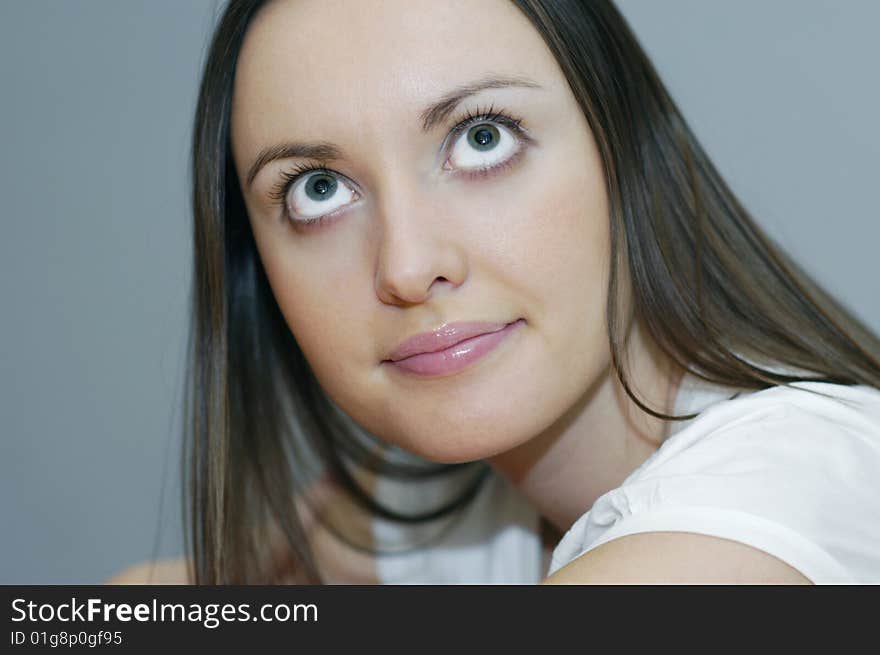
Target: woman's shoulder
(154,572)
(784,470)
(804,438)
(779,422)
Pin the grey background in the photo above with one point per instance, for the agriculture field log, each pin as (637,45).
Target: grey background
(96,105)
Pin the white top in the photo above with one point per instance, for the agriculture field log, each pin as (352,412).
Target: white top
(783,470)
(494,540)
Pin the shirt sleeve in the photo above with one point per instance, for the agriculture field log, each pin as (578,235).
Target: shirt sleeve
(792,479)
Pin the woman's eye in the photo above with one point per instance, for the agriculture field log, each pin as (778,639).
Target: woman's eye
(317,194)
(312,193)
(482,146)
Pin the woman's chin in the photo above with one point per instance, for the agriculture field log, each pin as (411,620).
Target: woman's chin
(457,446)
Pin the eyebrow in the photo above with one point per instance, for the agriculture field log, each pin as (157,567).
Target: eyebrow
(431,116)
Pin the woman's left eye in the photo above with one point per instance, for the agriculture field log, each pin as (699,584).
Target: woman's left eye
(486,141)
(481,147)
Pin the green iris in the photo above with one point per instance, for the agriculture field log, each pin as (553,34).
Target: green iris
(321,187)
(483,137)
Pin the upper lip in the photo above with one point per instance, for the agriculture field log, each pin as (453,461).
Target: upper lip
(445,336)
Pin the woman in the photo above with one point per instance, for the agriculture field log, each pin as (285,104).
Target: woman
(470,253)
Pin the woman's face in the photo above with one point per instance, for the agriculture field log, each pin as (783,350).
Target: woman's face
(417,233)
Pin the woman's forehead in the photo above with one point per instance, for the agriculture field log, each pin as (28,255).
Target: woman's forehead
(306,58)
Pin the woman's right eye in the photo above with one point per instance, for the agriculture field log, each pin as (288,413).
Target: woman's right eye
(312,196)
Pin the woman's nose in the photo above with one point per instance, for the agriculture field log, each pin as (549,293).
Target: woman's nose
(419,247)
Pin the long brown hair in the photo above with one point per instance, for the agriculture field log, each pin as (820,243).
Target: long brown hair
(714,292)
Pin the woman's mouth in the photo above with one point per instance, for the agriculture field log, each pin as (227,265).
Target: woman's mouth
(453,358)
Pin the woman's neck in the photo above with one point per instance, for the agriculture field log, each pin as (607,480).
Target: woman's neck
(599,441)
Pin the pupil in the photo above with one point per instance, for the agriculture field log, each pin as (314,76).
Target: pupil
(321,187)
(483,137)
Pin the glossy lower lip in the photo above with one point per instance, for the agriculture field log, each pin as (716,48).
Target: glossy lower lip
(457,357)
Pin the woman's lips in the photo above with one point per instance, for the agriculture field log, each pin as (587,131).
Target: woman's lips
(456,357)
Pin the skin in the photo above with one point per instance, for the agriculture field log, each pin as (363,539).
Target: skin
(421,244)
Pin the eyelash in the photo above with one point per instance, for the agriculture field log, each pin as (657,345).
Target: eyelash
(289,177)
